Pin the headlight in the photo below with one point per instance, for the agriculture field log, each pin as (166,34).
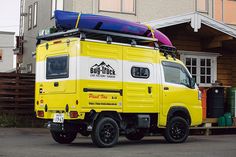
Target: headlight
(199,95)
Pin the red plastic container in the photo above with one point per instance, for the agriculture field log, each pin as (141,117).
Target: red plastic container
(204,102)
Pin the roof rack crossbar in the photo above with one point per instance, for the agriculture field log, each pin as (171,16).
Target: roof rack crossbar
(168,50)
(76,32)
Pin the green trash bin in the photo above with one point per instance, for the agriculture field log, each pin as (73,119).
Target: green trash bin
(221,121)
(228,119)
(231,97)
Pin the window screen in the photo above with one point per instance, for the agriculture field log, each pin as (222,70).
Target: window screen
(57,67)
(140,72)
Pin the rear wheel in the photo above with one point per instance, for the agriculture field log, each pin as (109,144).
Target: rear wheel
(105,132)
(135,136)
(177,130)
(63,137)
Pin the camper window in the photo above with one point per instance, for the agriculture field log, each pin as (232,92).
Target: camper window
(57,67)
(140,72)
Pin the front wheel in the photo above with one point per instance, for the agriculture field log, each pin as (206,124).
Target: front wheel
(177,130)
(105,132)
(63,137)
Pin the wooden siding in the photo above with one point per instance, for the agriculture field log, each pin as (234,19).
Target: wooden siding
(234,70)
(186,43)
(224,69)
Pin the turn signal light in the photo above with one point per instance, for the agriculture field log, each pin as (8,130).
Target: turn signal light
(73,114)
(57,42)
(40,113)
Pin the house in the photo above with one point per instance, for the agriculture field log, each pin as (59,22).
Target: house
(203,31)
(6,51)
(206,46)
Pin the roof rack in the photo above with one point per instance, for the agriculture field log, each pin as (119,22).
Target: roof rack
(100,35)
(168,50)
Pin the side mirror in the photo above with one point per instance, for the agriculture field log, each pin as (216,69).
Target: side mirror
(192,83)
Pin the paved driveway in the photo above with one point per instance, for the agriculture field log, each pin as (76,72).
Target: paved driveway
(38,143)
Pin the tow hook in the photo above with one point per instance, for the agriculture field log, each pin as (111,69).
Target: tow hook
(89,128)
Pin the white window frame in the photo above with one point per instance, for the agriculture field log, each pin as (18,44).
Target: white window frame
(30,12)
(121,8)
(55,7)
(35,20)
(29,68)
(199,56)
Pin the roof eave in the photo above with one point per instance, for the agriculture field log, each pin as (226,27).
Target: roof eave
(195,19)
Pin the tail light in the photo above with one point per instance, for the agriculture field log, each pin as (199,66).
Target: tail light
(73,114)
(40,114)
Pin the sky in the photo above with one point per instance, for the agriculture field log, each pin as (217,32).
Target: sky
(10,15)
(10,18)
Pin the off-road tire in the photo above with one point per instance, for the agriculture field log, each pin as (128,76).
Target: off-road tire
(177,130)
(105,132)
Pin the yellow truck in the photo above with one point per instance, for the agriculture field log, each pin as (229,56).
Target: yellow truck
(107,84)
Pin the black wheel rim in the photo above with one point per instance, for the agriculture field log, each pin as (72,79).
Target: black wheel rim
(107,133)
(178,130)
(63,135)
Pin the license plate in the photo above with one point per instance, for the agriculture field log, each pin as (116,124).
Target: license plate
(58,118)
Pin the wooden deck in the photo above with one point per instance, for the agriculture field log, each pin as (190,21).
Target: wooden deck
(209,127)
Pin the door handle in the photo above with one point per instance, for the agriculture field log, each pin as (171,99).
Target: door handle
(149,90)
(166,88)
(56,84)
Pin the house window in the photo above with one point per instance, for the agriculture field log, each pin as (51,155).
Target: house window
(122,6)
(202,68)
(35,14)
(30,17)
(1,55)
(140,72)
(29,68)
(202,5)
(56,5)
